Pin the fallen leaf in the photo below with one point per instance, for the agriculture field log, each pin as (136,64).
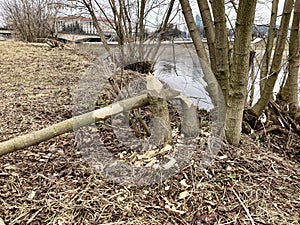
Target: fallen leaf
(170,164)
(184,184)
(223,157)
(147,155)
(31,195)
(120,199)
(165,149)
(208,218)
(184,194)
(171,207)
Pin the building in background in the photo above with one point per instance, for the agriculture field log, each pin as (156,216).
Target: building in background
(83,25)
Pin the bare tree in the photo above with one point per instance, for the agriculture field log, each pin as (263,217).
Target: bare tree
(275,68)
(234,81)
(130,21)
(269,45)
(31,20)
(289,91)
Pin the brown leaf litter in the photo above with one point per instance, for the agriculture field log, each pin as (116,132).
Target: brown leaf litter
(256,183)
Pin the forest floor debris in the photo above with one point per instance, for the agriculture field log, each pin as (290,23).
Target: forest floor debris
(50,183)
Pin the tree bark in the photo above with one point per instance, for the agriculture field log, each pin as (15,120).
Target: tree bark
(289,92)
(221,44)
(239,71)
(267,93)
(162,131)
(209,31)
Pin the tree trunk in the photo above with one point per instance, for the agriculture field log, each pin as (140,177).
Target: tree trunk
(162,132)
(97,26)
(190,121)
(188,15)
(209,31)
(142,29)
(267,93)
(212,86)
(266,61)
(70,124)
(289,92)
(239,71)
(221,43)
(162,31)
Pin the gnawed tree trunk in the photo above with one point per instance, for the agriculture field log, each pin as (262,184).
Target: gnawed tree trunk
(239,71)
(190,122)
(161,121)
(289,92)
(212,87)
(267,93)
(70,124)
(159,109)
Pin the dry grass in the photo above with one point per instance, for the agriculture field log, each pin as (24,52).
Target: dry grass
(51,184)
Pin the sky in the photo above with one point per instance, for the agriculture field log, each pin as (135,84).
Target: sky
(262,12)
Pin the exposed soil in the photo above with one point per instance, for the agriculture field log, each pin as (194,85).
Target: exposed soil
(257,183)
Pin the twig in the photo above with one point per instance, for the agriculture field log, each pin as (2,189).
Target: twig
(34,215)
(264,131)
(245,208)
(285,117)
(234,221)
(113,223)
(290,140)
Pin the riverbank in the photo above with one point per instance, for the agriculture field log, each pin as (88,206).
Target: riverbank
(50,183)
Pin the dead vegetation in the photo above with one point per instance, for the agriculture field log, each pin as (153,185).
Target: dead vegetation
(258,183)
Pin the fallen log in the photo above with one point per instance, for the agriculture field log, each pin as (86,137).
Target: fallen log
(68,125)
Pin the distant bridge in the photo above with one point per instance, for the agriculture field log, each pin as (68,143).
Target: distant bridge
(80,38)
(95,38)
(5,32)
